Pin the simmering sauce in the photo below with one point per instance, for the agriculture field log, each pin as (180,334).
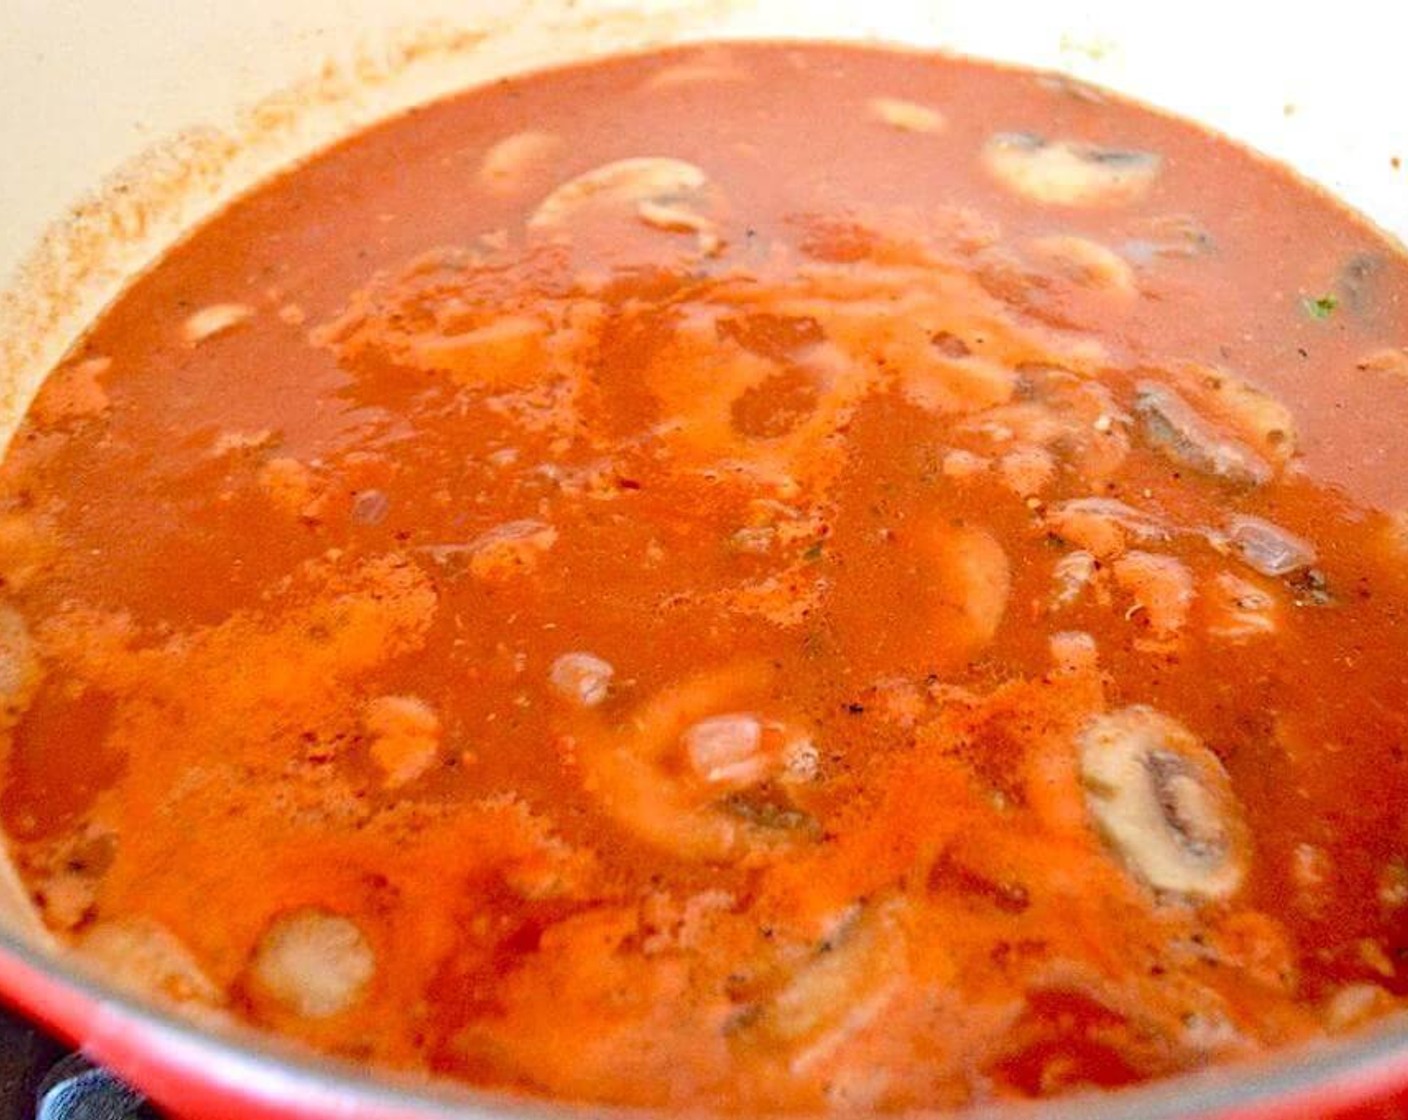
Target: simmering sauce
(767,578)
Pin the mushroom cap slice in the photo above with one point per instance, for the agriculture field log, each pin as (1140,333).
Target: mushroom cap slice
(1164,803)
(1067,172)
(1174,428)
(1267,548)
(640,179)
(581,678)
(313,963)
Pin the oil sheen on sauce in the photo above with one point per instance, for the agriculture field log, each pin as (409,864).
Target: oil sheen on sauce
(754,578)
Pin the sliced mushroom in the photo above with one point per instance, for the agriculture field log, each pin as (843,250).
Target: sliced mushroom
(1073,88)
(801,762)
(727,750)
(764,812)
(1169,235)
(702,772)
(405,733)
(147,958)
(1161,586)
(713,66)
(20,670)
(1164,803)
(582,678)
(907,116)
(370,507)
(672,217)
(1256,416)
(1072,574)
(662,192)
(840,987)
(217,319)
(1311,588)
(740,749)
(1267,548)
(1105,526)
(1088,263)
(1239,610)
(313,963)
(1171,426)
(1365,285)
(626,180)
(1068,172)
(510,163)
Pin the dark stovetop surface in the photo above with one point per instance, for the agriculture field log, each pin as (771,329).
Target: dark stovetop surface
(41,1078)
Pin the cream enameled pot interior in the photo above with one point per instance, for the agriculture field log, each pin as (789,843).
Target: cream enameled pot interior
(125,121)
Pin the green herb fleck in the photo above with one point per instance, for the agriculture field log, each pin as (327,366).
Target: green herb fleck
(1322,307)
(813,554)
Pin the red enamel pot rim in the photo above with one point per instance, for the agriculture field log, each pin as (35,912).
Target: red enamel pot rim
(202,1075)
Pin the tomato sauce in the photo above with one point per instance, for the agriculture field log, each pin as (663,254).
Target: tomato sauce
(754,578)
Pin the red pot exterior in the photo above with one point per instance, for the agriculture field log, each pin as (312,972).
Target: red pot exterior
(195,1077)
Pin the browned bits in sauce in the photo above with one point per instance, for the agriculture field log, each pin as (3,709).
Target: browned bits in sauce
(750,578)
